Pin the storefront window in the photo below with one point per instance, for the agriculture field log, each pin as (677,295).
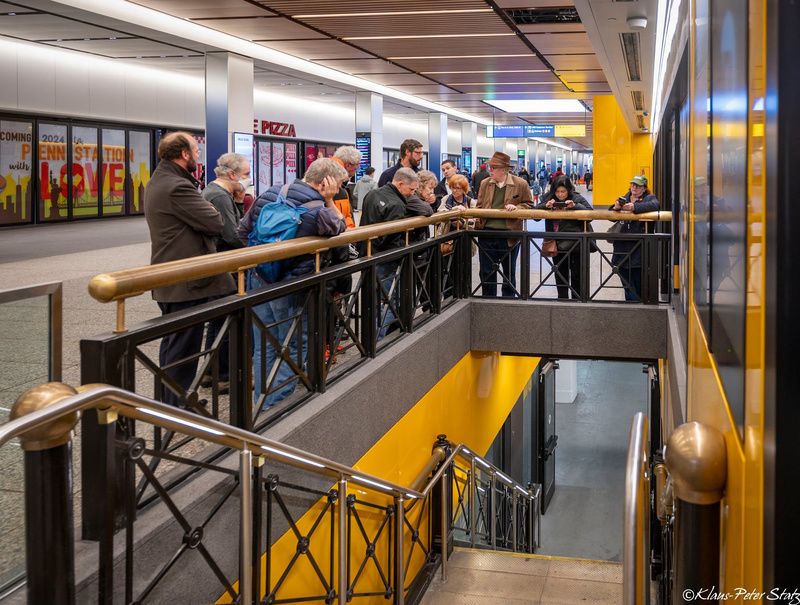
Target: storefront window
(16,163)
(278,177)
(311,154)
(139,167)
(85,179)
(53,177)
(264,166)
(113,171)
(200,172)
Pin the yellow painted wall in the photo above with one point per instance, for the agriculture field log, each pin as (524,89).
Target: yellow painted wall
(619,154)
(469,405)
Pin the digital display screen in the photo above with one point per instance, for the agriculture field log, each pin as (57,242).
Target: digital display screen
(363,144)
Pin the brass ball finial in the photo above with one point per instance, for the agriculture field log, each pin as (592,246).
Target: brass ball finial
(58,432)
(697,460)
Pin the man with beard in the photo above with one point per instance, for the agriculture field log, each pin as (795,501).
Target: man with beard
(410,157)
(182,225)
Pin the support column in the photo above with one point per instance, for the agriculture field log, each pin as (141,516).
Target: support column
(369,120)
(437,141)
(469,146)
(229,102)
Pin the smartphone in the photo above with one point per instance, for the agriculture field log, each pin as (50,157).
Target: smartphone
(559,204)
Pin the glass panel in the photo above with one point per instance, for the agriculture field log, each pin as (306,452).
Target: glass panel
(278,177)
(291,162)
(24,363)
(140,167)
(53,183)
(264,166)
(702,160)
(16,163)
(84,171)
(113,171)
(729,104)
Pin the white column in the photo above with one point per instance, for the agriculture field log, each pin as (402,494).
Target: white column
(469,140)
(437,141)
(229,102)
(369,118)
(566,381)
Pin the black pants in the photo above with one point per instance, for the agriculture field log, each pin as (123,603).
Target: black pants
(178,346)
(496,257)
(568,273)
(214,328)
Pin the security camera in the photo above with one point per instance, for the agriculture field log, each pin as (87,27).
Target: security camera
(637,23)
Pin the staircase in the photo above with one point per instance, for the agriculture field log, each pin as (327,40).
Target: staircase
(486,577)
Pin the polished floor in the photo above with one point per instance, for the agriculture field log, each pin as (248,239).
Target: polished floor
(491,578)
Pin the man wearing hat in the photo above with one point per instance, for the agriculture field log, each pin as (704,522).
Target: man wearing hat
(627,256)
(501,191)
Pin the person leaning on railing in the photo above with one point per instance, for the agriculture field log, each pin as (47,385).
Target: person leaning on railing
(501,191)
(182,224)
(314,193)
(627,255)
(567,261)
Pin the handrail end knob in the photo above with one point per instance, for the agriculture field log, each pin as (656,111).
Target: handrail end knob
(103,287)
(55,433)
(697,460)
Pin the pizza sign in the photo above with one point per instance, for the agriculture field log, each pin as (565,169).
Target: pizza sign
(278,129)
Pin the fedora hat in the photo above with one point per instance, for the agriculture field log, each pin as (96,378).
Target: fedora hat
(500,160)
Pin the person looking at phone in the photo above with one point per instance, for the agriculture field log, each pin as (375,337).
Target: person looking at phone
(627,256)
(567,261)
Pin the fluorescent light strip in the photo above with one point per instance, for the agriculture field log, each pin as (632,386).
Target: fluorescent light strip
(393,13)
(537,105)
(495,83)
(181,421)
(371,482)
(487,71)
(195,32)
(412,37)
(292,456)
(459,57)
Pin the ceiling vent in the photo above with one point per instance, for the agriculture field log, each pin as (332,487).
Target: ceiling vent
(638,100)
(546,16)
(630,50)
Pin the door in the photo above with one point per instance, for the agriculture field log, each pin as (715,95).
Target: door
(546,430)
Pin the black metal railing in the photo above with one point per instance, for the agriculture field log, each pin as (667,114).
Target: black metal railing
(285,541)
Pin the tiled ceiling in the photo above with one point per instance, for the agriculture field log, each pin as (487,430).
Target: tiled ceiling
(453,52)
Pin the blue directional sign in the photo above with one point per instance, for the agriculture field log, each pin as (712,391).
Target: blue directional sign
(540,130)
(508,130)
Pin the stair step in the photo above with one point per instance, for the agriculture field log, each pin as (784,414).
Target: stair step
(491,577)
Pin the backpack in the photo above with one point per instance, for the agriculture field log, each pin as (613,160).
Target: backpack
(278,221)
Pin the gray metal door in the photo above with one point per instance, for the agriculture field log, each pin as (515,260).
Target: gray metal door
(546,420)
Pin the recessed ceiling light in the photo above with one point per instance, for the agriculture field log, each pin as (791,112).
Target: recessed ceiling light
(486,71)
(113,38)
(495,83)
(460,57)
(537,105)
(413,37)
(394,13)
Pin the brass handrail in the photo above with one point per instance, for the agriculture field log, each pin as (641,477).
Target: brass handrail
(635,530)
(108,287)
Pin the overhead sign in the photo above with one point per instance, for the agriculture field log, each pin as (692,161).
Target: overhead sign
(278,129)
(570,130)
(536,130)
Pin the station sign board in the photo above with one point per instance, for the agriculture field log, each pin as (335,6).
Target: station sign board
(536,130)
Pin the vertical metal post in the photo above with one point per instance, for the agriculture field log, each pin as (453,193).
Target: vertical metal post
(445,522)
(435,280)
(514,519)
(474,499)
(406,298)
(342,541)
(531,524)
(399,527)
(258,525)
(525,267)
(493,510)
(370,310)
(246,521)
(317,337)
(586,260)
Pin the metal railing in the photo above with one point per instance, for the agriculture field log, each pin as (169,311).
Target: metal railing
(44,417)
(635,577)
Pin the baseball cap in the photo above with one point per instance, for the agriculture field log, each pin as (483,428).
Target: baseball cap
(639,180)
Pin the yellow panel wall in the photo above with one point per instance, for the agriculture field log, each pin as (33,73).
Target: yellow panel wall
(619,154)
(469,405)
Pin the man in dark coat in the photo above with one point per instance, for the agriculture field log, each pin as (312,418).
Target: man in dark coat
(182,225)
(478,178)
(442,188)
(410,157)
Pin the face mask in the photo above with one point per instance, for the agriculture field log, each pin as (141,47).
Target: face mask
(246,182)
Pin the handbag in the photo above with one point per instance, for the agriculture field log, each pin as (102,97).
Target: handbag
(615,228)
(549,247)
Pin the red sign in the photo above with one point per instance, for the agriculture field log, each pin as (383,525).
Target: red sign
(278,129)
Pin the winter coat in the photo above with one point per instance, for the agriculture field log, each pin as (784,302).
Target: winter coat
(388,174)
(517,193)
(565,226)
(182,225)
(231,215)
(648,203)
(365,184)
(386,204)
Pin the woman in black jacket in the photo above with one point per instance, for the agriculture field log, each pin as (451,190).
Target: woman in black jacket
(627,255)
(567,262)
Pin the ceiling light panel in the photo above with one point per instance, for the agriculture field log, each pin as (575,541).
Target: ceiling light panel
(206,9)
(262,28)
(394,14)
(537,106)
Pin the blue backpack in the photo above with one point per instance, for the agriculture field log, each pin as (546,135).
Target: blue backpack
(278,221)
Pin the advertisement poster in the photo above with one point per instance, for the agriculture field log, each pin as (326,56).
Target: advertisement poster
(291,162)
(311,154)
(200,173)
(264,166)
(16,164)
(139,167)
(85,178)
(243,145)
(113,171)
(466,158)
(53,172)
(277,164)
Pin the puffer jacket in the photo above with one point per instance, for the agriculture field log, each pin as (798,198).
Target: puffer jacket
(565,226)
(648,203)
(318,220)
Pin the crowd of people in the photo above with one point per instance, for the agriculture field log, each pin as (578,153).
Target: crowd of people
(184,222)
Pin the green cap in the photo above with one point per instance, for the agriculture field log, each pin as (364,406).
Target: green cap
(639,180)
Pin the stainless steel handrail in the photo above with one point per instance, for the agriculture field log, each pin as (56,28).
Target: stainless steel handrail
(634,576)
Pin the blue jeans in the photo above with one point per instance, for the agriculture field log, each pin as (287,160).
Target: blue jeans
(386,275)
(278,317)
(632,275)
(494,253)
